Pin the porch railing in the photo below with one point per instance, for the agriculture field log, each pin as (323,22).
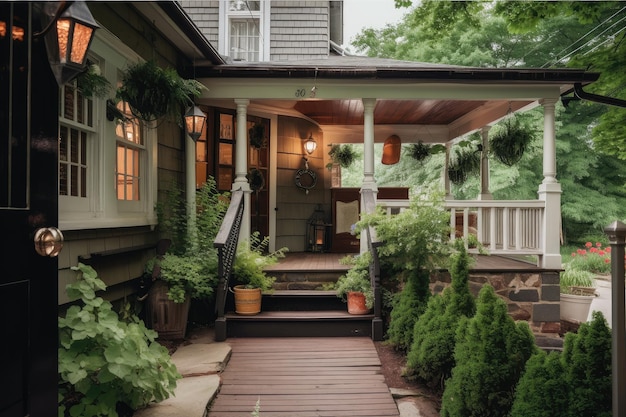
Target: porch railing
(369,204)
(226,244)
(513,227)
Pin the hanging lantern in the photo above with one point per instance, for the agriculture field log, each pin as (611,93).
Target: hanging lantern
(194,122)
(391,150)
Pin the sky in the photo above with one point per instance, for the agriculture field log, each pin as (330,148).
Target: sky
(358,14)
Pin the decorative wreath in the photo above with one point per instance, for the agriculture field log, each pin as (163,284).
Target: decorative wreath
(306,179)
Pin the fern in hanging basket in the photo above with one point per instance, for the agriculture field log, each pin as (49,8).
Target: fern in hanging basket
(419,151)
(343,155)
(465,162)
(153,92)
(510,140)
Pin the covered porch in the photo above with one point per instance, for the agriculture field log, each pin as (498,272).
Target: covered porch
(362,100)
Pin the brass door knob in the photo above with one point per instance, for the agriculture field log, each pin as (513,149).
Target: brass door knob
(48,241)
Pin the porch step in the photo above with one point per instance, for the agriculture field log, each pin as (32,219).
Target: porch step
(305,280)
(300,313)
(329,323)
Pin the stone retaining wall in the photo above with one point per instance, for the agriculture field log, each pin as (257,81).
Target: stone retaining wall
(530,296)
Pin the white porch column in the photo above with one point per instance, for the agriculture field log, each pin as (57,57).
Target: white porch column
(241,165)
(369,182)
(485,194)
(550,191)
(368,144)
(446,177)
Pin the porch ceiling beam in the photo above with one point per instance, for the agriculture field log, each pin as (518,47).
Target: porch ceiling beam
(408,133)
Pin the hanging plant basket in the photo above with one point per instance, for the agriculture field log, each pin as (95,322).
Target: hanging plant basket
(510,141)
(153,92)
(92,83)
(343,155)
(256,180)
(257,135)
(466,162)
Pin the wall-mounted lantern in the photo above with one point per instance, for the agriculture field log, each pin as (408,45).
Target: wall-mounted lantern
(194,122)
(68,31)
(310,145)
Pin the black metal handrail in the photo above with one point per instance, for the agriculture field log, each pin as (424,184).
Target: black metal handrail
(226,244)
(369,206)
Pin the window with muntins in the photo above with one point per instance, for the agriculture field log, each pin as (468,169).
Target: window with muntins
(130,153)
(244,29)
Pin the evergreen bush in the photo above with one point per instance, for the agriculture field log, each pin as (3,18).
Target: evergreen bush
(576,383)
(431,357)
(540,391)
(490,354)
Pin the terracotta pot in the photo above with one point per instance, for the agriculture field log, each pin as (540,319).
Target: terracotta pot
(247,300)
(356,303)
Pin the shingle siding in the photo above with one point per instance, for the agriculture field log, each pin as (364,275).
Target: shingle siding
(298,29)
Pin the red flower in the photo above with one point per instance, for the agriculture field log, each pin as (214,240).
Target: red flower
(598,244)
(573,254)
(593,250)
(601,252)
(607,249)
(588,244)
(607,260)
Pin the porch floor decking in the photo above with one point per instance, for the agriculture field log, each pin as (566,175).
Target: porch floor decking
(303,261)
(304,377)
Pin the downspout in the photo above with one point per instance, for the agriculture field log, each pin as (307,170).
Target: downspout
(611,101)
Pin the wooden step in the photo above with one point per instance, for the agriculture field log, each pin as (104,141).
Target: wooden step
(301,300)
(322,323)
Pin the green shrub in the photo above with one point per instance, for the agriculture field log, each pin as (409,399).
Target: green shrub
(407,307)
(103,361)
(431,357)
(490,354)
(587,357)
(576,383)
(541,392)
(415,242)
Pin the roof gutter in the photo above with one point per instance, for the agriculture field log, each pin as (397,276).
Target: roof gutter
(611,101)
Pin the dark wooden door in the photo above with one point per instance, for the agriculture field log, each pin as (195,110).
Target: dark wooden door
(28,202)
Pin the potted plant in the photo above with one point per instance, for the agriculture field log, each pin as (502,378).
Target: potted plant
(248,272)
(355,287)
(510,140)
(185,267)
(577,293)
(153,92)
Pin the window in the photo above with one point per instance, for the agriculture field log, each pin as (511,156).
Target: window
(130,152)
(76,136)
(107,167)
(243,29)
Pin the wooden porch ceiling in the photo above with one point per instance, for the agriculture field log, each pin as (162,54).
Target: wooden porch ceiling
(388,112)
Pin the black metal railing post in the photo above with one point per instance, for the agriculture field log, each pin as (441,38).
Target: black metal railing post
(226,244)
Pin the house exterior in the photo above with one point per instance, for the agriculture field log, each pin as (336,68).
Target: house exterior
(64,170)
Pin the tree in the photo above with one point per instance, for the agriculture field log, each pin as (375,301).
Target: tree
(588,134)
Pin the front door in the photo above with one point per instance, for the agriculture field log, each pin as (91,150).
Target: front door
(28,203)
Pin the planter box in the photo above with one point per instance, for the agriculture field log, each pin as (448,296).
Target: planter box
(167,318)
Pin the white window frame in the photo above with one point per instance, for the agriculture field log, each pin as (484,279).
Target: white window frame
(103,209)
(263,16)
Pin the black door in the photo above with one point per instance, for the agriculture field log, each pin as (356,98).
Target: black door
(28,203)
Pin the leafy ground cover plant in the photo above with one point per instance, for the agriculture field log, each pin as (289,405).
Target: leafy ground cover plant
(107,364)
(431,357)
(490,354)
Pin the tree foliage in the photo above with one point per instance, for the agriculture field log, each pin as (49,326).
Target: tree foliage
(590,136)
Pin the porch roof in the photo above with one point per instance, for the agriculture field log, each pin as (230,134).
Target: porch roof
(418,101)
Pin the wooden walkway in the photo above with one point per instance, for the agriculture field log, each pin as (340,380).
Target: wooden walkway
(303,377)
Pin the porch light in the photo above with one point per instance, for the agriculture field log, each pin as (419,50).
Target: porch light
(194,122)
(310,145)
(67,46)
(391,150)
